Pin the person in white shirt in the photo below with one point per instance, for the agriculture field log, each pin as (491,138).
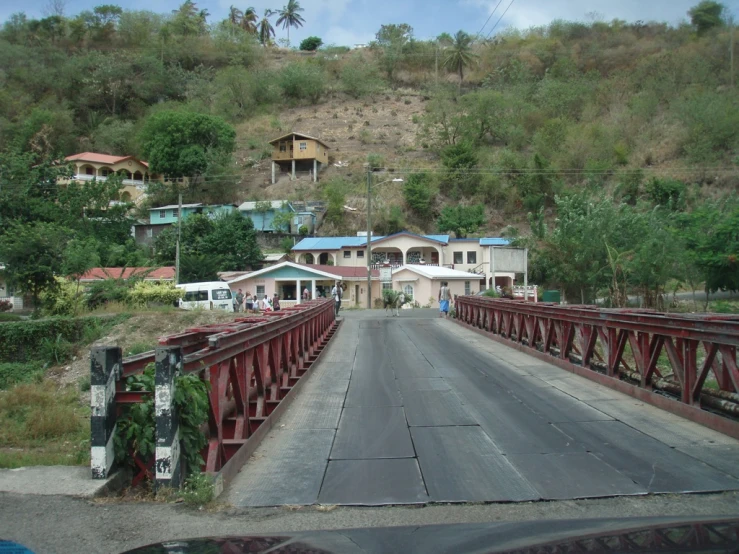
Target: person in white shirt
(336,294)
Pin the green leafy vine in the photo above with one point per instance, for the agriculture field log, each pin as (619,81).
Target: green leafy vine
(136,425)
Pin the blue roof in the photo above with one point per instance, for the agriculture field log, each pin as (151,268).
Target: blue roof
(494,242)
(337,243)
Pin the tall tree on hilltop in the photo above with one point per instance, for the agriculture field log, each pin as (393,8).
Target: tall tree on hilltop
(235,16)
(290,17)
(264,29)
(460,54)
(249,21)
(707,15)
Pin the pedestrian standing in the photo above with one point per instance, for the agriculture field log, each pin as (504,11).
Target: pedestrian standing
(238,301)
(306,294)
(248,302)
(445,296)
(336,294)
(276,303)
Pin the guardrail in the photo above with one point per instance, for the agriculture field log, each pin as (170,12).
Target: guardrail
(251,364)
(635,351)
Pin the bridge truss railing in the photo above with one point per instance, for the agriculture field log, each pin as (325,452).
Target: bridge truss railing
(690,358)
(251,365)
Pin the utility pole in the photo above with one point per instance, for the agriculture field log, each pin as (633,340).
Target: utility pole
(369,237)
(731,53)
(177,248)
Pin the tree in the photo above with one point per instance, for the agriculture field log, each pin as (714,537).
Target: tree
(281,221)
(461,161)
(34,273)
(249,20)
(392,39)
(461,220)
(417,194)
(290,17)
(234,16)
(460,54)
(185,144)
(265,31)
(79,257)
(706,15)
(311,44)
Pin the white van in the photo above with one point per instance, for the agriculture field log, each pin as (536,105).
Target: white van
(213,295)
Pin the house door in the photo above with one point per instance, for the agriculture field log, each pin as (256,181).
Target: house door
(356,294)
(435,257)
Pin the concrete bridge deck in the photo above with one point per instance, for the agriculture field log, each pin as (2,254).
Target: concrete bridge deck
(416,409)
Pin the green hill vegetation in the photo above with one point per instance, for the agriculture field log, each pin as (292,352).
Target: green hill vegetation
(490,136)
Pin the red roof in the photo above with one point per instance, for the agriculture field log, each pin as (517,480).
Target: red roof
(101,158)
(347,272)
(148,273)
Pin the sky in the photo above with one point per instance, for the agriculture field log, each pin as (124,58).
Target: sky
(351,22)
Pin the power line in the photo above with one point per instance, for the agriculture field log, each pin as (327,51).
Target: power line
(501,17)
(488,19)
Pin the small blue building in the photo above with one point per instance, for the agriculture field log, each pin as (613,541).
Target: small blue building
(262,214)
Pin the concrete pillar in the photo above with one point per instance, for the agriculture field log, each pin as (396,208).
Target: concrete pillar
(298,292)
(105,369)
(313,288)
(315,171)
(293,173)
(274,166)
(168,455)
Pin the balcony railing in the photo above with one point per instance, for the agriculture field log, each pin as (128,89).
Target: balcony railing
(84,177)
(397,265)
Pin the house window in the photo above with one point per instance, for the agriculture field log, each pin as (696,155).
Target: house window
(260,291)
(303,146)
(150,233)
(408,291)
(162,214)
(387,286)
(471,257)
(105,172)
(347,253)
(360,253)
(467,287)
(89,171)
(458,257)
(175,212)
(283,147)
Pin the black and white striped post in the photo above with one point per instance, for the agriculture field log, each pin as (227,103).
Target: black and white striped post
(168,463)
(105,370)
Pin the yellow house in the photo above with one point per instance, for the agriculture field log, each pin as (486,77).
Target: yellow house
(90,165)
(296,152)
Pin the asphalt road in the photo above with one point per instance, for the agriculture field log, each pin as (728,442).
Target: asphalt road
(417,410)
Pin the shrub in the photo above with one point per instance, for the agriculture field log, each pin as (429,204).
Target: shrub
(5,317)
(311,44)
(375,161)
(5,306)
(109,290)
(491,293)
(65,299)
(303,230)
(198,489)
(418,194)
(57,350)
(360,78)
(13,373)
(145,293)
(301,81)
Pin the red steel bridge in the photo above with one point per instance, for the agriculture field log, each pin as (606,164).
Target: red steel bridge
(510,401)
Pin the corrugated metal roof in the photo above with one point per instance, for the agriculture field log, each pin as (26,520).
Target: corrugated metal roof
(101,158)
(438,272)
(173,206)
(165,273)
(337,243)
(299,135)
(275,204)
(494,242)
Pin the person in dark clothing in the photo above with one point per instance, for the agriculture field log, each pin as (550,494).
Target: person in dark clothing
(276,302)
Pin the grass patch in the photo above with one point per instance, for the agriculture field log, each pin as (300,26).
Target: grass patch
(43,425)
(139,348)
(198,490)
(13,373)
(9,317)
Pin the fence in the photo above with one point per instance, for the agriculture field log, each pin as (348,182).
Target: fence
(689,359)
(251,364)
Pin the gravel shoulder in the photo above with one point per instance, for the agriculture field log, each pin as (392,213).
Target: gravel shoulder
(59,524)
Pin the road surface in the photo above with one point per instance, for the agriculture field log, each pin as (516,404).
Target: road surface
(415,410)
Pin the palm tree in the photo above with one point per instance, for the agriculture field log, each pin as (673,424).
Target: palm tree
(265,29)
(249,20)
(460,54)
(234,16)
(290,17)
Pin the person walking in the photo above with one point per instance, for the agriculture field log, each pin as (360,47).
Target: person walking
(238,301)
(248,302)
(276,302)
(445,296)
(336,294)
